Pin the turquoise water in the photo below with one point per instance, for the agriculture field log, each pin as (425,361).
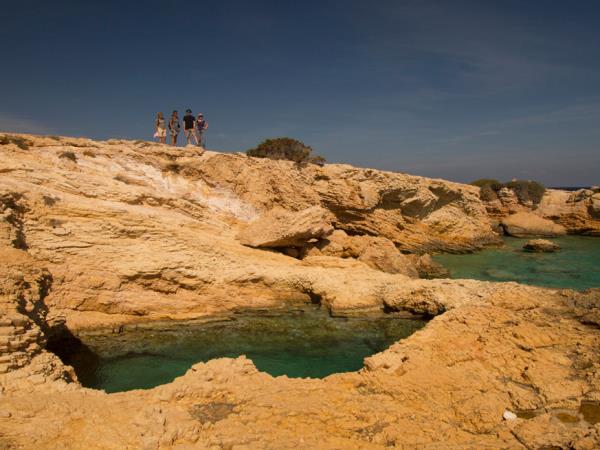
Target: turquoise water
(308,343)
(575,266)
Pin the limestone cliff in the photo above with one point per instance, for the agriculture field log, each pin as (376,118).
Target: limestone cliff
(135,229)
(578,212)
(106,234)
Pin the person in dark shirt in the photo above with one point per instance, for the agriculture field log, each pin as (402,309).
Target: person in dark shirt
(189,127)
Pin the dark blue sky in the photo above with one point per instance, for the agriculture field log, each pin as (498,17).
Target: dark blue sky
(453,89)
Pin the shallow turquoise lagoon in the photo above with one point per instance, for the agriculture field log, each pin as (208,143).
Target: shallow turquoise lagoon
(307,343)
(575,266)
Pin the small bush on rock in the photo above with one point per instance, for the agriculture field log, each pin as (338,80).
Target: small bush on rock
(487,193)
(285,148)
(68,155)
(20,142)
(525,190)
(485,182)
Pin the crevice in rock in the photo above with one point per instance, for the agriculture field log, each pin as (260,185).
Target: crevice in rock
(73,352)
(12,210)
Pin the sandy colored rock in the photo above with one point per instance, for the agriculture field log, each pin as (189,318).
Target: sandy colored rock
(578,212)
(281,228)
(377,252)
(525,224)
(129,232)
(541,246)
(428,268)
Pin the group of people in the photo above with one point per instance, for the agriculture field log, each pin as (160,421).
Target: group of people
(193,127)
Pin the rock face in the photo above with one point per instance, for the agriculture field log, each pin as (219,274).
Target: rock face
(541,246)
(578,212)
(525,224)
(281,228)
(24,284)
(377,252)
(111,234)
(428,268)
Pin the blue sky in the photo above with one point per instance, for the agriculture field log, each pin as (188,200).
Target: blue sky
(452,89)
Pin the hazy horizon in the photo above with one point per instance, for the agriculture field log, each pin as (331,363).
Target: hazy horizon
(497,89)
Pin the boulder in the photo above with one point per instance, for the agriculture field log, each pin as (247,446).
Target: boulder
(540,246)
(377,252)
(525,224)
(281,228)
(429,269)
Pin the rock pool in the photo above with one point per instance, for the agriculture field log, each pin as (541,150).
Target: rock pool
(575,266)
(303,343)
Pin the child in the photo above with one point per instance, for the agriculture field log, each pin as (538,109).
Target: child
(174,127)
(201,127)
(160,129)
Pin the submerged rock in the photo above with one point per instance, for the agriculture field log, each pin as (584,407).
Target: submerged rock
(541,246)
(524,224)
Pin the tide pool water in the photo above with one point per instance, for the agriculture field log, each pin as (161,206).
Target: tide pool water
(309,343)
(575,266)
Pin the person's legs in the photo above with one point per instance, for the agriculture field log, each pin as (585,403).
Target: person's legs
(189,134)
(199,140)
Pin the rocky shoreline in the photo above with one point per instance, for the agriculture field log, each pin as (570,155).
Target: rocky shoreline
(117,233)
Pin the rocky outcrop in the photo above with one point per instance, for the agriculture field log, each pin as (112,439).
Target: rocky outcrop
(281,228)
(24,284)
(118,233)
(541,246)
(376,252)
(428,268)
(135,230)
(525,224)
(578,212)
(491,351)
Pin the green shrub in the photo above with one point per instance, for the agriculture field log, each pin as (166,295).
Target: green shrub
(485,182)
(487,193)
(285,148)
(20,142)
(488,188)
(68,155)
(527,190)
(318,160)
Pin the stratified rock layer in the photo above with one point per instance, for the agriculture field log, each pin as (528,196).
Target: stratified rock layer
(578,212)
(524,224)
(107,234)
(281,228)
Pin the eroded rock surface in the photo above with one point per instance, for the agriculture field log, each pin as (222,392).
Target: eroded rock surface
(541,246)
(526,224)
(377,252)
(281,228)
(101,234)
(578,212)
